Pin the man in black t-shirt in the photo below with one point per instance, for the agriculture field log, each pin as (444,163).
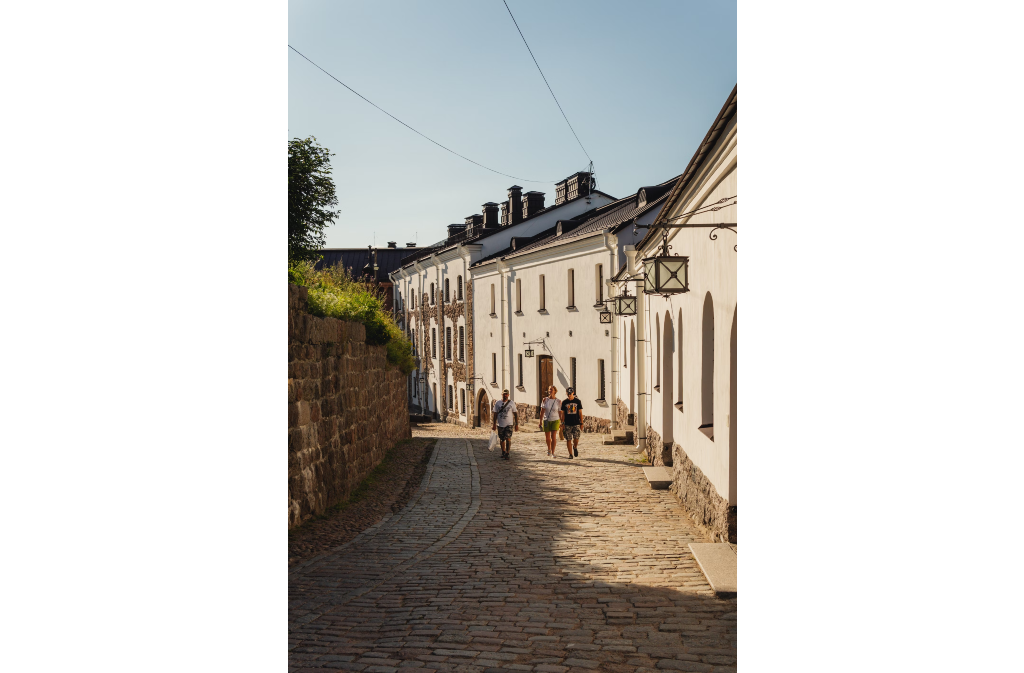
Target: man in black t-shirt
(572,421)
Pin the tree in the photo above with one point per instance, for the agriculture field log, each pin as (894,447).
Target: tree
(310,198)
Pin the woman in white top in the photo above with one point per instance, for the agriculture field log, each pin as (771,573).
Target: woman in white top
(549,419)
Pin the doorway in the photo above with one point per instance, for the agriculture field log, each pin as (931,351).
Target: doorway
(545,375)
(483,413)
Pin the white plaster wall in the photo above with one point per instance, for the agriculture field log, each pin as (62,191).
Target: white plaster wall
(487,330)
(712,268)
(566,333)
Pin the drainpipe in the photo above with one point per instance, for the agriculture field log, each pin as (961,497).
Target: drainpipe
(502,271)
(641,353)
(611,241)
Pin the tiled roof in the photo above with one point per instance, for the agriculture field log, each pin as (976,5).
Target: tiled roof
(605,218)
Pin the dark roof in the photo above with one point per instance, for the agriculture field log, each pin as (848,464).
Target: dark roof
(611,216)
(354,259)
(478,234)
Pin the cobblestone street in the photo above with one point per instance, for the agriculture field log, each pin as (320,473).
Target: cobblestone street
(536,564)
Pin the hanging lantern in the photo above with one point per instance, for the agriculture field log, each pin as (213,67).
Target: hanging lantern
(666,274)
(529,353)
(606,317)
(625,304)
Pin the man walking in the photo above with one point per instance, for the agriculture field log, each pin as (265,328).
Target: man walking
(505,419)
(572,421)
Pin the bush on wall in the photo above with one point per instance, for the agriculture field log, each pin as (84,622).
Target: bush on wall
(334,293)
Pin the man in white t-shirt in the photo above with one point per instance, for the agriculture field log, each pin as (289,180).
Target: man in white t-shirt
(505,420)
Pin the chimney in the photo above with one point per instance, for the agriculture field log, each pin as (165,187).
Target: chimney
(490,217)
(410,245)
(515,205)
(455,229)
(474,222)
(574,186)
(392,244)
(533,202)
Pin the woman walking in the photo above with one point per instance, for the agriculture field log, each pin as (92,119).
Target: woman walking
(550,419)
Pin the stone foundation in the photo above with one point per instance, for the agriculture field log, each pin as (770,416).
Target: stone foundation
(709,511)
(622,412)
(346,408)
(531,412)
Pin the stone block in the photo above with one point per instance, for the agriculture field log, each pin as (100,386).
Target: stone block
(718,563)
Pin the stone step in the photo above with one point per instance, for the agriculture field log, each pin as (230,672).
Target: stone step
(718,563)
(658,477)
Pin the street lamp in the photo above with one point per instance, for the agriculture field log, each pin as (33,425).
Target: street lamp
(529,353)
(666,274)
(606,317)
(625,304)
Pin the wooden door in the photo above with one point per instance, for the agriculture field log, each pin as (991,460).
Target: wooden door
(484,410)
(546,376)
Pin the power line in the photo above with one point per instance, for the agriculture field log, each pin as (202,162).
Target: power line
(546,82)
(411,128)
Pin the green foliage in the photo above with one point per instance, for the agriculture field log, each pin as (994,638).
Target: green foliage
(333,293)
(311,197)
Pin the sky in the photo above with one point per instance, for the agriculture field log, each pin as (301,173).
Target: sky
(640,82)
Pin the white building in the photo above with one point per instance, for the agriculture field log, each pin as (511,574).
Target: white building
(683,393)
(434,293)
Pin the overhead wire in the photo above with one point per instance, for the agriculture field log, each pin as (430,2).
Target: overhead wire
(414,130)
(546,82)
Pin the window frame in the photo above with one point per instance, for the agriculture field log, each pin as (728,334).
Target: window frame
(571,289)
(543,299)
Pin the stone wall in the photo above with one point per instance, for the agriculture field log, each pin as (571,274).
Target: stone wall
(346,408)
(622,412)
(709,511)
(531,412)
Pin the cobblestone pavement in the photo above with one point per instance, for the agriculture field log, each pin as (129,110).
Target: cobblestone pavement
(402,471)
(535,564)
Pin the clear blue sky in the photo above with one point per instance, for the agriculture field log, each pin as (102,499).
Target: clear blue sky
(640,82)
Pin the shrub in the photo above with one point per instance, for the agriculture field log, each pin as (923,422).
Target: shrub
(334,293)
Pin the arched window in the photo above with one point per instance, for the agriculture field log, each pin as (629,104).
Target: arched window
(447,296)
(460,291)
(657,353)
(707,369)
(667,393)
(679,356)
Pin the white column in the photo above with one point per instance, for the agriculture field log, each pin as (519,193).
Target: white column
(502,269)
(611,242)
(641,353)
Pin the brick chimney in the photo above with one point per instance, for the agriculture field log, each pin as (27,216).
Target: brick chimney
(533,203)
(392,244)
(514,210)
(455,229)
(490,215)
(474,222)
(574,186)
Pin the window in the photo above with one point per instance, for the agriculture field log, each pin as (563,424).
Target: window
(707,373)
(462,342)
(520,369)
(494,367)
(572,291)
(462,399)
(519,296)
(599,271)
(600,378)
(657,353)
(433,342)
(414,341)
(432,300)
(447,343)
(451,398)
(460,288)
(447,297)
(542,304)
(572,373)
(492,298)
